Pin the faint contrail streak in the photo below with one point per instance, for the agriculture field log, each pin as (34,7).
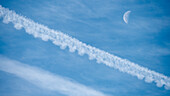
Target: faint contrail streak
(63,40)
(45,79)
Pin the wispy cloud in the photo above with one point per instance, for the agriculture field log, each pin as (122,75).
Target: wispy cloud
(63,40)
(45,79)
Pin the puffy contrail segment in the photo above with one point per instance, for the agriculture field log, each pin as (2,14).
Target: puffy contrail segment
(46,80)
(63,40)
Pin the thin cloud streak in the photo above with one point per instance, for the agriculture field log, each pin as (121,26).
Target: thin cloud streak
(45,79)
(63,40)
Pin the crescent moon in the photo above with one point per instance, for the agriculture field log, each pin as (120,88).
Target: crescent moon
(126,16)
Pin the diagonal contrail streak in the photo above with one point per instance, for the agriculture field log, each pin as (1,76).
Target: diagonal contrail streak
(63,40)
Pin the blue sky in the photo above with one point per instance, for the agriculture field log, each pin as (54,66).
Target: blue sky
(144,40)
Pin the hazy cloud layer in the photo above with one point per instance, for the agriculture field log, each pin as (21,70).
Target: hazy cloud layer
(45,79)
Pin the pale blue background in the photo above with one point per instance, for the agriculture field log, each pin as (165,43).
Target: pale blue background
(145,40)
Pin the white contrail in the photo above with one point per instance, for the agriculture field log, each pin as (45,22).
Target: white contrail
(63,40)
(45,79)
